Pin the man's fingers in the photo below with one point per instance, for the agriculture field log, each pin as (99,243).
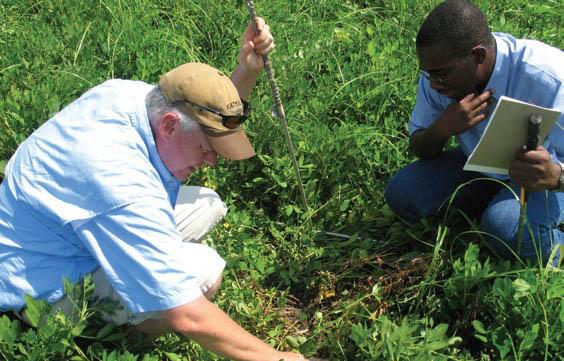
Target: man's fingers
(480,108)
(266,50)
(467,98)
(527,167)
(484,97)
(519,166)
(263,41)
(254,31)
(526,178)
(539,155)
(248,47)
(522,171)
(260,24)
(478,118)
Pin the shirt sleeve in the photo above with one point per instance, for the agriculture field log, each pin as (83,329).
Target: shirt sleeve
(426,109)
(556,135)
(139,249)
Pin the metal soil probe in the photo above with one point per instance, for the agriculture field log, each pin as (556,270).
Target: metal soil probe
(534,123)
(278,110)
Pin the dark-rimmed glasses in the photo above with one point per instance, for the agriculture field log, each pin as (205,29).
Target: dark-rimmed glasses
(228,121)
(442,76)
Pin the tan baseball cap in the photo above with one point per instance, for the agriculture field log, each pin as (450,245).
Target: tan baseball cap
(196,86)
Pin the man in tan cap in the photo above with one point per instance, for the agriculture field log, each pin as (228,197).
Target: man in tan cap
(96,190)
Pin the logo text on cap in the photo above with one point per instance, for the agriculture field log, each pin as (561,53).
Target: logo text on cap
(233,105)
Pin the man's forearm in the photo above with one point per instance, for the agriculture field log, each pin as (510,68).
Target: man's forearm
(244,81)
(428,143)
(203,322)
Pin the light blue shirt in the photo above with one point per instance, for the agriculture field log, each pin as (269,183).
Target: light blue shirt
(86,190)
(526,70)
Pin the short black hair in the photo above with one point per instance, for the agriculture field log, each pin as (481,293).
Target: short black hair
(455,25)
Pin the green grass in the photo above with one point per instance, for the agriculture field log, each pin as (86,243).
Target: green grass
(347,72)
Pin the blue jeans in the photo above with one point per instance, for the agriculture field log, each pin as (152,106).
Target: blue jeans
(421,188)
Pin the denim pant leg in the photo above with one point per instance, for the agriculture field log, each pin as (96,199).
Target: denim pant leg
(420,189)
(545,211)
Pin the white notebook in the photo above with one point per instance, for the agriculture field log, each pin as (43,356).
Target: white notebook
(506,133)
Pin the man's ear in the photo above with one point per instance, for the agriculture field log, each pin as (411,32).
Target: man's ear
(479,54)
(168,124)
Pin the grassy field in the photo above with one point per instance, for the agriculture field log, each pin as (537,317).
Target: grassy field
(347,72)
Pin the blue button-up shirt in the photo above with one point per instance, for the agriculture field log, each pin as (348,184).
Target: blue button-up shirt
(526,70)
(86,190)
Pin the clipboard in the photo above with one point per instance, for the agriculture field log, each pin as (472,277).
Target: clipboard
(505,135)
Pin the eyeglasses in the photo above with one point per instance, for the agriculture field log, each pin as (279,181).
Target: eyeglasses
(228,121)
(442,76)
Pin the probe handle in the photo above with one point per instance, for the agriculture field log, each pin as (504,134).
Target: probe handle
(533,128)
(535,121)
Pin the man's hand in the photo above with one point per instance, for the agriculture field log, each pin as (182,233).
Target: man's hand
(534,170)
(464,114)
(254,45)
(205,323)
(291,356)
(455,119)
(288,356)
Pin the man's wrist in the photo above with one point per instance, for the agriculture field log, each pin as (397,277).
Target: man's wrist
(244,80)
(560,185)
(246,71)
(438,132)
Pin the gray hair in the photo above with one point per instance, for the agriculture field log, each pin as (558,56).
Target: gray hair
(157,105)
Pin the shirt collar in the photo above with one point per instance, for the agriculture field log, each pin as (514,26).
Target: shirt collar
(143,126)
(498,79)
